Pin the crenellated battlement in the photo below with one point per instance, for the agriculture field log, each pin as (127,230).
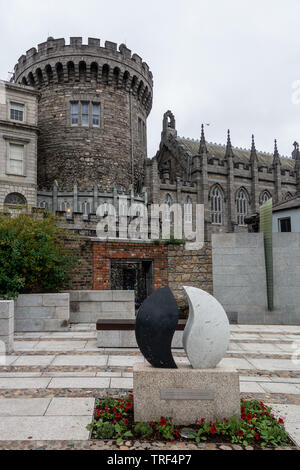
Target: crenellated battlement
(54,61)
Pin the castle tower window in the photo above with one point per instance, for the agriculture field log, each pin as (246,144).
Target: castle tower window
(241,207)
(96,114)
(85,114)
(216,206)
(16,112)
(16,159)
(74,114)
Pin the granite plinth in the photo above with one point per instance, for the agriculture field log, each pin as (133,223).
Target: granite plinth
(185,394)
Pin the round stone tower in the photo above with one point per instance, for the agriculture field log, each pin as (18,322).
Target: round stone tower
(93,108)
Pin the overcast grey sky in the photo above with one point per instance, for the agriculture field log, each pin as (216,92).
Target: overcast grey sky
(230,63)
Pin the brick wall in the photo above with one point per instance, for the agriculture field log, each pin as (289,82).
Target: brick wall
(104,251)
(172,265)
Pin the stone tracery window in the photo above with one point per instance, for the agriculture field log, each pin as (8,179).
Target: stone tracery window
(265,196)
(241,206)
(216,206)
(188,210)
(168,202)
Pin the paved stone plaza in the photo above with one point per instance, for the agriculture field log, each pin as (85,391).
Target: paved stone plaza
(48,385)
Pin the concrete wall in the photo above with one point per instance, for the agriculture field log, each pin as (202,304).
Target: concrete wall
(89,306)
(286,261)
(42,312)
(240,281)
(294,214)
(6,327)
(239,276)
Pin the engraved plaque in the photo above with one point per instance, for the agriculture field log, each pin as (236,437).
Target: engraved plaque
(186,394)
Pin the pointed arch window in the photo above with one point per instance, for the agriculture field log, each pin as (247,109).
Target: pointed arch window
(288,196)
(265,196)
(241,206)
(168,202)
(86,208)
(188,210)
(216,206)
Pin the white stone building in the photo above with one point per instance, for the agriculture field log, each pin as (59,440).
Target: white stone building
(286,215)
(18,145)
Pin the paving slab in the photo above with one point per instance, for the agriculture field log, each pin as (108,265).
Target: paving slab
(23,382)
(23,406)
(20,374)
(121,383)
(236,363)
(291,416)
(251,387)
(44,428)
(71,407)
(124,360)
(60,345)
(7,360)
(25,345)
(80,360)
(62,373)
(36,360)
(284,388)
(260,347)
(275,364)
(77,382)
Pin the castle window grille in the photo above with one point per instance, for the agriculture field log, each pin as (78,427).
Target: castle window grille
(16,112)
(16,159)
(216,206)
(241,207)
(188,210)
(74,114)
(96,114)
(85,114)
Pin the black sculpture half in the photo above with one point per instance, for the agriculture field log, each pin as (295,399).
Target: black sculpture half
(155,326)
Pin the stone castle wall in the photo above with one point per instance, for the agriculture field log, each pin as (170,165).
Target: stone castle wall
(96,75)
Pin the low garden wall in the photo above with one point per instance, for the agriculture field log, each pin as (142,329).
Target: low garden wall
(6,327)
(42,312)
(88,306)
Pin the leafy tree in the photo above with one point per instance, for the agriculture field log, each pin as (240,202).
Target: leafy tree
(33,255)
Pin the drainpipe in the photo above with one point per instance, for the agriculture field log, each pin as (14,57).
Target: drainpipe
(131,138)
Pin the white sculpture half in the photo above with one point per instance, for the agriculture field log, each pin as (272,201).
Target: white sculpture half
(207,332)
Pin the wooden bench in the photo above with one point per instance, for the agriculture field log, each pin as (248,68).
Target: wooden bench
(120,334)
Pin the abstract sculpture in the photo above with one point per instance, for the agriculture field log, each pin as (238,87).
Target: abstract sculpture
(155,326)
(206,334)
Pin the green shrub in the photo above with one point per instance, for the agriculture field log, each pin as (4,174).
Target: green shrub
(33,255)
(143,429)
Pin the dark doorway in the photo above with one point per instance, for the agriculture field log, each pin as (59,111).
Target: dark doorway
(134,275)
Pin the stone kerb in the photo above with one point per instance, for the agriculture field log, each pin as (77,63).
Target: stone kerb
(92,305)
(6,327)
(42,312)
